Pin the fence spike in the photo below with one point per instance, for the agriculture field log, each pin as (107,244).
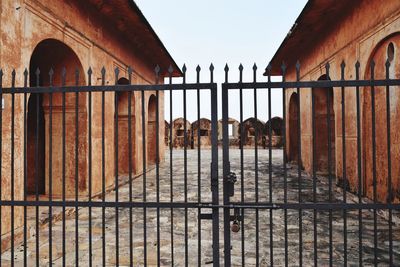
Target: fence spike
(240,67)
(13,74)
(387,63)
(63,75)
(357,65)
(51,73)
(25,72)
(298,70)
(157,70)
(170,69)
(283,68)
(198,68)
(211,73)
(255,67)
(116,73)
(76,76)
(90,72)
(184,69)
(37,72)
(211,67)
(130,71)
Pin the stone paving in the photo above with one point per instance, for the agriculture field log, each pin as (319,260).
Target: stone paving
(178,222)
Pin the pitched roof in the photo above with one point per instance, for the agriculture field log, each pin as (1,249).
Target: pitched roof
(128,19)
(315,21)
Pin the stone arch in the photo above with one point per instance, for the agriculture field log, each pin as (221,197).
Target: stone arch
(126,120)
(379,56)
(201,127)
(321,97)
(252,128)
(152,133)
(293,130)
(178,133)
(54,54)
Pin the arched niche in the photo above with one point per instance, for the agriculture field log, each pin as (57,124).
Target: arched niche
(45,122)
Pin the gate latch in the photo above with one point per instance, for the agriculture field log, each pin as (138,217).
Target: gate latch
(230,183)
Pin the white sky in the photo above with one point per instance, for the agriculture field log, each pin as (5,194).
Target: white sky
(220,32)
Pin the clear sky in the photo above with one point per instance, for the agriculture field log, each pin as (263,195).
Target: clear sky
(219,32)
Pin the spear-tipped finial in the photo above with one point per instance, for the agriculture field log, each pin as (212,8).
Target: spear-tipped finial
(37,72)
(298,65)
(211,67)
(198,68)
(387,63)
(184,69)
(103,71)
(157,70)
(90,71)
(226,69)
(283,67)
(357,65)
(240,67)
(170,69)
(343,64)
(254,67)
(25,72)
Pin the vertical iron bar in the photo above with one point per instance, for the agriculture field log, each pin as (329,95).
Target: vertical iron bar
(51,72)
(63,80)
(130,165)
(198,174)
(314,178)
(1,166)
(299,163)
(328,108)
(226,170)
(241,162)
(12,166)
(185,167)
(116,169)
(144,177)
(76,170)
(271,229)
(90,166)
(214,168)
(256,167)
(389,162)
(36,167)
(171,169)
(198,167)
(103,168)
(357,66)
(158,167)
(25,166)
(374,163)
(283,69)
(342,66)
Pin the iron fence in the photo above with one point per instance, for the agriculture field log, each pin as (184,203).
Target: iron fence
(85,179)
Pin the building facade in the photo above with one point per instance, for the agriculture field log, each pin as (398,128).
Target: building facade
(334,32)
(77,35)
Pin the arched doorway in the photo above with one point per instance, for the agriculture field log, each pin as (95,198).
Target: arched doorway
(55,55)
(152,133)
(293,128)
(321,97)
(386,49)
(123,130)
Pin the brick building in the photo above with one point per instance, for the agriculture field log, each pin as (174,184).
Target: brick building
(77,35)
(332,32)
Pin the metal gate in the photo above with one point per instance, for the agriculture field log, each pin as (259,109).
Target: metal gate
(114,187)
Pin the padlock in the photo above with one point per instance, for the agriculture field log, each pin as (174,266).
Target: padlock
(235,226)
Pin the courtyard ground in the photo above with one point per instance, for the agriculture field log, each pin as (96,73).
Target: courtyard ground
(178,221)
